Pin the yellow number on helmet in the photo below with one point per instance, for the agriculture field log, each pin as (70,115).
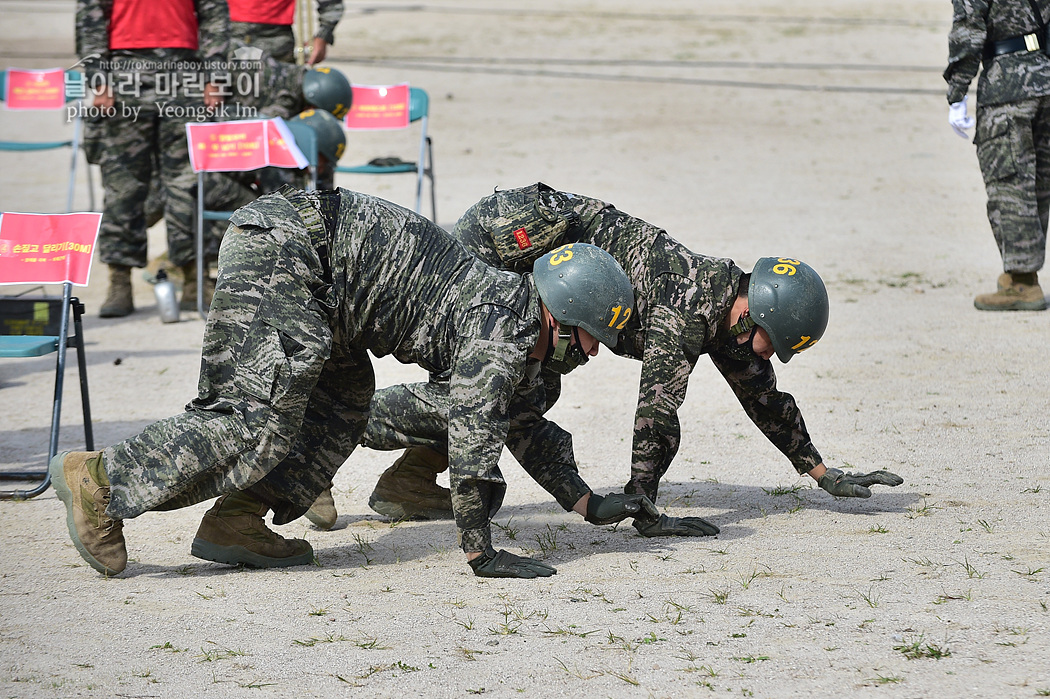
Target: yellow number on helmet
(561,254)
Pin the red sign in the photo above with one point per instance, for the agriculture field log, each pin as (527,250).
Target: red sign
(284,152)
(234,146)
(35,89)
(47,248)
(379,107)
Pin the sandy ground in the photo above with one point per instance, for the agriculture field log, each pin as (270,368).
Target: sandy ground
(815,129)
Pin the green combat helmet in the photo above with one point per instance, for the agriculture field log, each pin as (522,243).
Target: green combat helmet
(330,137)
(787,299)
(328,89)
(583,286)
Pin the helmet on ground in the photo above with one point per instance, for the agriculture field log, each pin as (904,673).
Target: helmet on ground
(583,286)
(328,89)
(787,299)
(330,137)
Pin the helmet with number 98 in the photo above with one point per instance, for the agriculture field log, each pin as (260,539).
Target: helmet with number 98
(583,286)
(787,299)
(328,89)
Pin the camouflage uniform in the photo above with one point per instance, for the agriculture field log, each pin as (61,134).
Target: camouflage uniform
(1013,120)
(308,284)
(132,146)
(681,299)
(278,40)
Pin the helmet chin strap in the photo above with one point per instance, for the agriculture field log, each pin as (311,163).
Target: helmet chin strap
(743,324)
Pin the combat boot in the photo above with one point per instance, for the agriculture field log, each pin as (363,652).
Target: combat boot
(233,531)
(118,301)
(82,485)
(323,513)
(188,302)
(1016,292)
(409,489)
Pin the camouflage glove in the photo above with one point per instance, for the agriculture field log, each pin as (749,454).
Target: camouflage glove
(617,507)
(503,564)
(676,526)
(855,485)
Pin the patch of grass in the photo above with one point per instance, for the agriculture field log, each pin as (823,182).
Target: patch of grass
(971,572)
(1031,572)
(878,529)
(720,596)
(310,642)
(917,649)
(219,653)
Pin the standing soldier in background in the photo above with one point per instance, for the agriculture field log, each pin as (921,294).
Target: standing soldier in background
(267,25)
(138,57)
(687,305)
(1013,132)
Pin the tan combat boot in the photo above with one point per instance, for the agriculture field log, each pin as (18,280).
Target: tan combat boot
(323,513)
(233,531)
(82,485)
(118,301)
(409,489)
(188,302)
(1016,292)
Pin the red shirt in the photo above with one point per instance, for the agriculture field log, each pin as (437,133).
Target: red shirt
(153,24)
(263,11)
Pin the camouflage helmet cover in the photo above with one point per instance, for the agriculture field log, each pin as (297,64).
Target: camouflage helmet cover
(787,298)
(583,286)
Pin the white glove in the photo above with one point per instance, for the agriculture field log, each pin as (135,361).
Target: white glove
(958,119)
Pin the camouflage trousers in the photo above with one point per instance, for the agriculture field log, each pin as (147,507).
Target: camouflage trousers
(277,40)
(1013,148)
(133,148)
(413,415)
(280,405)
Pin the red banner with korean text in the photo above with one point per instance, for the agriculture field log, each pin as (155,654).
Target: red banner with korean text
(235,146)
(47,248)
(379,107)
(35,89)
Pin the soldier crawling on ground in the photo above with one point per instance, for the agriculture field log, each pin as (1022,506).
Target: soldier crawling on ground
(687,305)
(308,284)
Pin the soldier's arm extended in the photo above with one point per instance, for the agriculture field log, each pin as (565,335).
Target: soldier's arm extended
(92,34)
(329,12)
(486,369)
(779,418)
(542,447)
(774,412)
(966,42)
(213,27)
(661,391)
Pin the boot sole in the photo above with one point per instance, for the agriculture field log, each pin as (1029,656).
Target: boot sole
(238,555)
(404,510)
(58,481)
(1017,306)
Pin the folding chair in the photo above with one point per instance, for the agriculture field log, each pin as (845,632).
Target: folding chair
(35,327)
(418,110)
(71,77)
(305,139)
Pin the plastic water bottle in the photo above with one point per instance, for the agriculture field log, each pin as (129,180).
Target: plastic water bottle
(167,302)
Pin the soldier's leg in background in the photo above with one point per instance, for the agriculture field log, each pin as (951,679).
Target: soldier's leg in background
(413,417)
(1006,151)
(180,211)
(124,148)
(1041,136)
